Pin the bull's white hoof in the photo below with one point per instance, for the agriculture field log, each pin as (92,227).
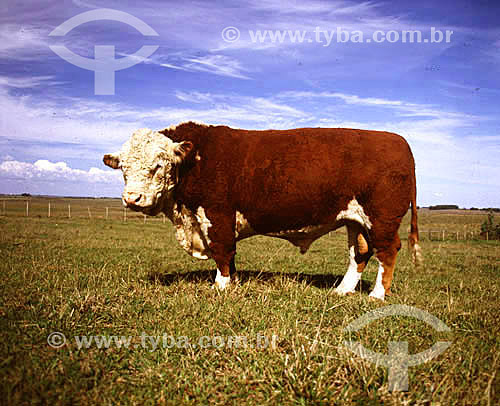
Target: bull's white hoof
(377,294)
(221,282)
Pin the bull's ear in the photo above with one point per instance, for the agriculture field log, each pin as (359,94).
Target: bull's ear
(112,160)
(183,149)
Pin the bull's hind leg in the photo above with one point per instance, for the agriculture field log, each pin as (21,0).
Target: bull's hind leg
(386,257)
(360,252)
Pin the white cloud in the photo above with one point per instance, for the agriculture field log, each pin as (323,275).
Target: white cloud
(46,171)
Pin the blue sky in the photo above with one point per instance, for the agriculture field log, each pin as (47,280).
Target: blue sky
(443,97)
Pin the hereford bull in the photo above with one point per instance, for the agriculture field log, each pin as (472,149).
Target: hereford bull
(219,185)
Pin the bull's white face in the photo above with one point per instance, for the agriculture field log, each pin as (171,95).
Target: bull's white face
(149,162)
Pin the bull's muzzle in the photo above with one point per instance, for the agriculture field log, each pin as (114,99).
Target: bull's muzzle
(133,199)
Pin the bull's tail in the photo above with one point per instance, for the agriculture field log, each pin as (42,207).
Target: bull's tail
(413,245)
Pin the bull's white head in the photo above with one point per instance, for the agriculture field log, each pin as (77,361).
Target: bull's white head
(149,162)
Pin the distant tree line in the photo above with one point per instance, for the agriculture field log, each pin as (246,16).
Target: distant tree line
(444,207)
(455,207)
(490,209)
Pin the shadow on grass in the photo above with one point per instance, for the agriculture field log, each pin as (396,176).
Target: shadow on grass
(317,280)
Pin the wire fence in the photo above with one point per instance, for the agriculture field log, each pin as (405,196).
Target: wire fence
(112,209)
(68,208)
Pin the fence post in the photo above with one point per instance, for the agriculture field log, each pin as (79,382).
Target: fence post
(487,239)
(144,218)
(163,218)
(4,208)
(106,213)
(443,235)
(88,209)
(49,211)
(124,214)
(27,208)
(69,210)
(457,235)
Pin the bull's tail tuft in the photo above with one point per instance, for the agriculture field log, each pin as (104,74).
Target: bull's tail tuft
(416,254)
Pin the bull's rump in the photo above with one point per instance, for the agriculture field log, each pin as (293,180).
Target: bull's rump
(291,179)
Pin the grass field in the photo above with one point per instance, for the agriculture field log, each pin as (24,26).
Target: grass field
(91,276)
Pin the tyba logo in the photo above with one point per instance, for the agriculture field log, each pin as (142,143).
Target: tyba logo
(397,360)
(104,63)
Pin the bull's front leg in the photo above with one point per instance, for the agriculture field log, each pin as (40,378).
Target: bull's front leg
(224,271)
(222,246)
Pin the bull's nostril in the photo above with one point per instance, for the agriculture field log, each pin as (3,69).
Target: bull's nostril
(132,198)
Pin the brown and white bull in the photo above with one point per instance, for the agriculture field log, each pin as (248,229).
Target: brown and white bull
(219,185)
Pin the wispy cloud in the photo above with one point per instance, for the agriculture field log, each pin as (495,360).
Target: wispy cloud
(217,64)
(348,98)
(28,82)
(428,122)
(22,42)
(85,4)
